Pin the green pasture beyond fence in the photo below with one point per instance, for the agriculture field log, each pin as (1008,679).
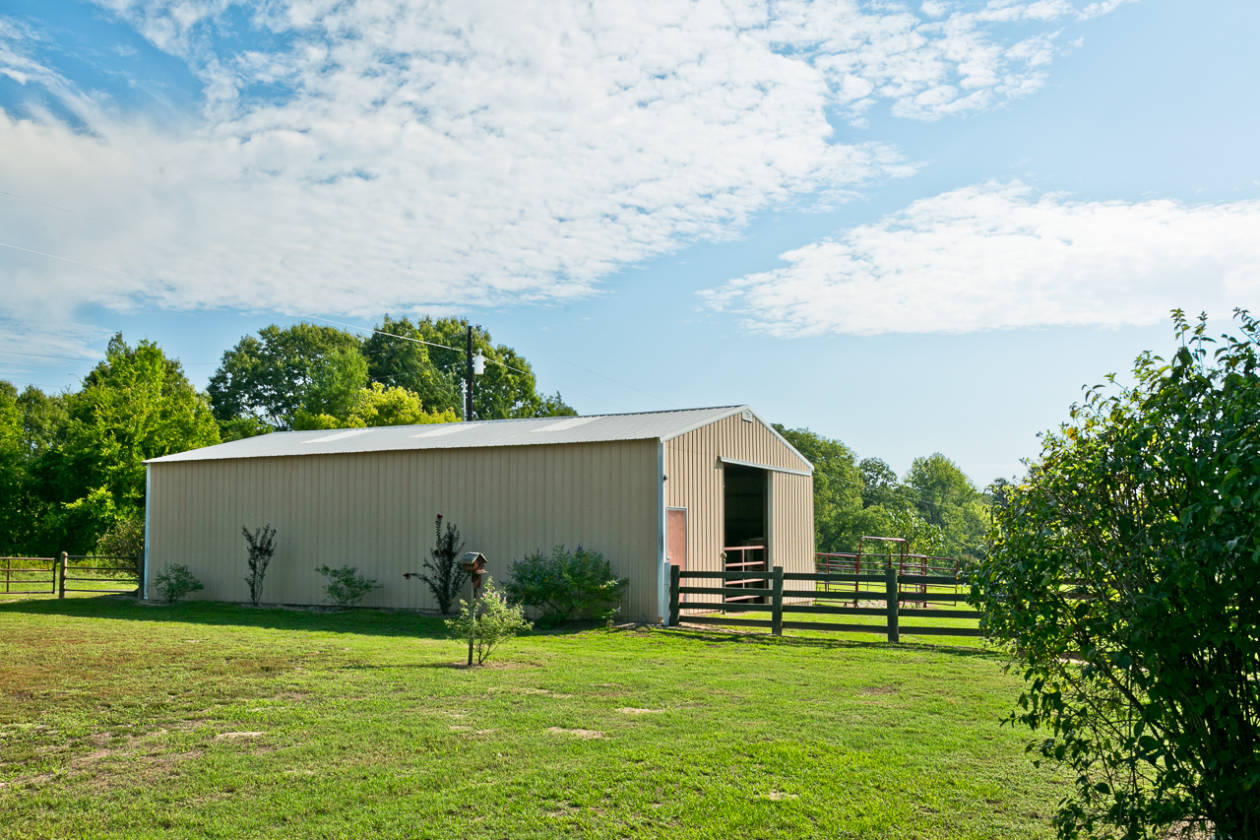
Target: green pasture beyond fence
(92,573)
(823,594)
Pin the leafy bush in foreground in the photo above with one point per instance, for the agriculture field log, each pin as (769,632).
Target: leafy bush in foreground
(1124,579)
(566,585)
(491,620)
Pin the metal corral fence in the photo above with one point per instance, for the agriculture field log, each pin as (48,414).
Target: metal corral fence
(822,594)
(91,573)
(909,567)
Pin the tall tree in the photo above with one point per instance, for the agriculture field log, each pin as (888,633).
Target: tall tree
(837,488)
(265,381)
(287,377)
(397,358)
(135,405)
(29,499)
(947,499)
(880,485)
(506,389)
(13,461)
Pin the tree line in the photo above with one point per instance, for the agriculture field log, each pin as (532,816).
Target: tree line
(71,464)
(935,508)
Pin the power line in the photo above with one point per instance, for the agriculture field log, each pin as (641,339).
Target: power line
(79,263)
(415,340)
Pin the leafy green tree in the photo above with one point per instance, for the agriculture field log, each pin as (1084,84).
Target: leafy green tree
(553,405)
(1124,580)
(377,406)
(921,536)
(946,498)
(400,360)
(506,389)
(135,405)
(939,485)
(268,379)
(880,485)
(336,381)
(44,419)
(837,488)
(13,461)
(29,498)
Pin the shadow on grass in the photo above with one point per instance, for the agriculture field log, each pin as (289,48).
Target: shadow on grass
(737,637)
(312,619)
(362,620)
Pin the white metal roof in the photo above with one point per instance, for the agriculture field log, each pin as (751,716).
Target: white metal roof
(659,425)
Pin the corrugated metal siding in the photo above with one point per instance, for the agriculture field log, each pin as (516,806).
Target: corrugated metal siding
(375,511)
(734,437)
(694,481)
(792,524)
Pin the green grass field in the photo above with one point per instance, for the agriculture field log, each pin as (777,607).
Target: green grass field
(208,720)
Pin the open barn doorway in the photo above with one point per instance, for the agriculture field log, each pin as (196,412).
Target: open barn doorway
(745,524)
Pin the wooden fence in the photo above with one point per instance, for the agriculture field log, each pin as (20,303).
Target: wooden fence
(91,573)
(818,593)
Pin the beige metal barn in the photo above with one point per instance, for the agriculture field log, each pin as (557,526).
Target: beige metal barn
(693,487)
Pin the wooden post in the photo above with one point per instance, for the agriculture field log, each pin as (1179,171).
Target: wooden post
(8,565)
(776,609)
(61,589)
(675,581)
(894,606)
(472,606)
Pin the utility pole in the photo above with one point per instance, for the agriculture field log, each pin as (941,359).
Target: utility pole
(468,390)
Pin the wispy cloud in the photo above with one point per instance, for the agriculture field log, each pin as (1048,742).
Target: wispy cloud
(998,256)
(362,156)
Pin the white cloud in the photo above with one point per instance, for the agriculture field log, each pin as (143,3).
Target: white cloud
(999,256)
(442,155)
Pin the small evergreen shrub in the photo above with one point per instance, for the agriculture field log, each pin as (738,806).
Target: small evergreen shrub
(490,619)
(566,585)
(345,585)
(261,545)
(176,582)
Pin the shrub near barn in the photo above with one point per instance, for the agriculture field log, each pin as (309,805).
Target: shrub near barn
(565,585)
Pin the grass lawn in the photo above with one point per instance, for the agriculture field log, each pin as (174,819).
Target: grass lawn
(209,720)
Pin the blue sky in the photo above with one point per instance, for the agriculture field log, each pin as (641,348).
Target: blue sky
(914,227)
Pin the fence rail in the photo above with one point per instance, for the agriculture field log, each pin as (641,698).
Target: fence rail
(897,589)
(50,575)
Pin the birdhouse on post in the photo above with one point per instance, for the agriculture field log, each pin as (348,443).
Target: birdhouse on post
(474,565)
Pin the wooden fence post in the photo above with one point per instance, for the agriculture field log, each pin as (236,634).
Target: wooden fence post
(776,609)
(894,605)
(61,589)
(674,582)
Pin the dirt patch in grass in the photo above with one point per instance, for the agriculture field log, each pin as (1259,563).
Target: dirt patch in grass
(632,710)
(238,736)
(535,692)
(780,796)
(876,690)
(585,734)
